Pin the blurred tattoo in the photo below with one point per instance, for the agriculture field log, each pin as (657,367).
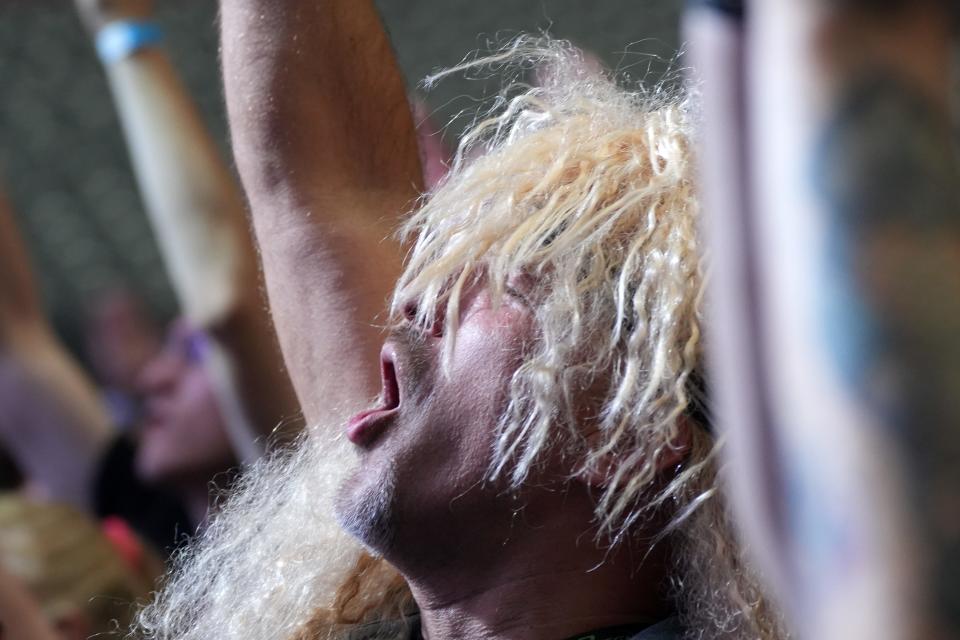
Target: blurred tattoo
(886,171)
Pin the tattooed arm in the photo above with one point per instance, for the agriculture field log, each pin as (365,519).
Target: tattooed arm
(858,242)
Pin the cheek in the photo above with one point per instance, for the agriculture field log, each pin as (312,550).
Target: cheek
(488,352)
(491,348)
(195,436)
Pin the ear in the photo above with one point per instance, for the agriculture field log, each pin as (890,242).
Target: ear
(671,456)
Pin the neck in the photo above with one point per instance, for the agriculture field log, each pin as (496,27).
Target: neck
(542,578)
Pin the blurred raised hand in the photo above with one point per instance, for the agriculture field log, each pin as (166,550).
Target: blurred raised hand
(198,214)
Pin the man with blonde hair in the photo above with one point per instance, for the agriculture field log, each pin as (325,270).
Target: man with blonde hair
(538,464)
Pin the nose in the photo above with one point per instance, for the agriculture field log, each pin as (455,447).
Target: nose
(411,310)
(159,374)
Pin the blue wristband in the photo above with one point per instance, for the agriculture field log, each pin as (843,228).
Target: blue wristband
(122,38)
(731,8)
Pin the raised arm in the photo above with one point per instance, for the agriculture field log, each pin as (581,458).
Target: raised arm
(51,418)
(197,212)
(326,149)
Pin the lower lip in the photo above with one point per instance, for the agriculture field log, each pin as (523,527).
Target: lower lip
(363,428)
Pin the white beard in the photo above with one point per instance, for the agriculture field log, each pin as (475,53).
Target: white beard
(272,556)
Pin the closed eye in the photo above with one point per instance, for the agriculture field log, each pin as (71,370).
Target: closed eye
(512,292)
(520,286)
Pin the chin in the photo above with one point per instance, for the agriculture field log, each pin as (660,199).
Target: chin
(158,476)
(366,508)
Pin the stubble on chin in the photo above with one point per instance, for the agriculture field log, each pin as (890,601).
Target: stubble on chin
(365,504)
(365,508)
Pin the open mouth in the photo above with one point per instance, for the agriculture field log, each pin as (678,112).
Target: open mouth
(363,428)
(390,391)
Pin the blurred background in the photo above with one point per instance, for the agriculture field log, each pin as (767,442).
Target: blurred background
(66,167)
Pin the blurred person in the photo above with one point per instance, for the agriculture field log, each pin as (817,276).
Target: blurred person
(52,422)
(181,449)
(120,338)
(831,166)
(197,423)
(197,213)
(183,441)
(538,464)
(56,430)
(61,438)
(716,52)
(86,579)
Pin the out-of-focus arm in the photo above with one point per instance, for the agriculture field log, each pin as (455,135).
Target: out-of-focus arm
(715,33)
(198,215)
(854,201)
(325,144)
(19,302)
(51,418)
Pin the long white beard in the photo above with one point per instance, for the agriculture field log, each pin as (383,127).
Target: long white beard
(271,558)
